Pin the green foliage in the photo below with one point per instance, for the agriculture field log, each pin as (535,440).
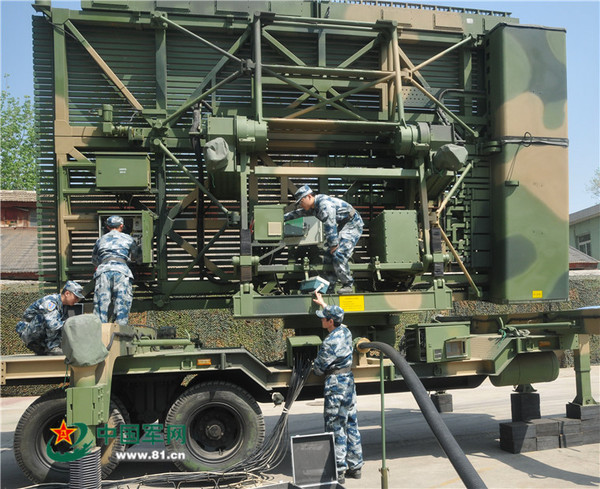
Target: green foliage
(18,150)
(594,185)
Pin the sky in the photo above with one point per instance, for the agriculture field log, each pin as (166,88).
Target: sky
(581,19)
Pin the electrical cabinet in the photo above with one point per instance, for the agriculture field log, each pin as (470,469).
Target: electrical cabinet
(129,171)
(138,224)
(268,222)
(394,237)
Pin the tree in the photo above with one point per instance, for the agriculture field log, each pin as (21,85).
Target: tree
(18,143)
(594,185)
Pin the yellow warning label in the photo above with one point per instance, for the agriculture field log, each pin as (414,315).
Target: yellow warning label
(537,294)
(352,302)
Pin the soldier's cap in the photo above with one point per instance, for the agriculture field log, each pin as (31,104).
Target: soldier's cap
(302,192)
(332,312)
(114,221)
(74,287)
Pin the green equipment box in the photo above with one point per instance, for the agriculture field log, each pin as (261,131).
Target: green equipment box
(123,171)
(438,342)
(394,237)
(268,222)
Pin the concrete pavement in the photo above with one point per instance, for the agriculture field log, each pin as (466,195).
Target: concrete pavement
(414,458)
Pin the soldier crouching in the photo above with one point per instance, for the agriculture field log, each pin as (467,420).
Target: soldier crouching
(41,326)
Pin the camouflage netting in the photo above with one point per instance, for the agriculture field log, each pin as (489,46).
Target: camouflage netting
(218,328)
(584,290)
(215,328)
(264,338)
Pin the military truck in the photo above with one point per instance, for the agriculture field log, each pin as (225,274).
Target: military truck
(446,128)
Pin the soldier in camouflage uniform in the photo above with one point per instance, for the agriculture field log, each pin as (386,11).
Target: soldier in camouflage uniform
(335,360)
(41,326)
(335,214)
(111,255)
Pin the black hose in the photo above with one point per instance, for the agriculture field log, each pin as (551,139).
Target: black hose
(458,459)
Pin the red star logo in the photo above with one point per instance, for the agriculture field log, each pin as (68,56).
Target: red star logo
(63,433)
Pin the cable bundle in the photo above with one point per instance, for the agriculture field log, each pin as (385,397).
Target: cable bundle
(273,451)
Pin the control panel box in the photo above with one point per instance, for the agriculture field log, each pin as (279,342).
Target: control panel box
(138,224)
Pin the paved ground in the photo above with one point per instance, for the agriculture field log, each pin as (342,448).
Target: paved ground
(414,458)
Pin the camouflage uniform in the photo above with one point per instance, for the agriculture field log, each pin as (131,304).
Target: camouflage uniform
(340,397)
(41,326)
(113,276)
(334,213)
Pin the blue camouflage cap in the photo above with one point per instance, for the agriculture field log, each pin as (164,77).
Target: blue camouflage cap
(302,192)
(332,312)
(114,221)
(74,287)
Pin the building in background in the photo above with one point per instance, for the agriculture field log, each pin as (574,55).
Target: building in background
(18,232)
(584,231)
(580,261)
(18,208)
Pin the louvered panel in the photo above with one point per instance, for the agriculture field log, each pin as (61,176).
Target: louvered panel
(340,48)
(129,54)
(441,74)
(478,103)
(44,114)
(301,45)
(189,62)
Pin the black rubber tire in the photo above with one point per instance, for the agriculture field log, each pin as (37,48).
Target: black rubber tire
(118,416)
(223,425)
(33,432)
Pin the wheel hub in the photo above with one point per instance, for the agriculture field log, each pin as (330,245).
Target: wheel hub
(215,430)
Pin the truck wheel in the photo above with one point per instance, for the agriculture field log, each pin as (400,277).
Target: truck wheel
(223,426)
(33,433)
(108,458)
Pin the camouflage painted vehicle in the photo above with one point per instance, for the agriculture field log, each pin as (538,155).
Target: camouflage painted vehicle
(446,128)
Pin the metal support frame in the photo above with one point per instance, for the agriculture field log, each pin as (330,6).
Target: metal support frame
(313,93)
(249,304)
(61,118)
(174,117)
(469,39)
(164,137)
(163,17)
(583,381)
(384,470)
(398,102)
(159,144)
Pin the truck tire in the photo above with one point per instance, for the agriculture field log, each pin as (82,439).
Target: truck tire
(33,432)
(223,427)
